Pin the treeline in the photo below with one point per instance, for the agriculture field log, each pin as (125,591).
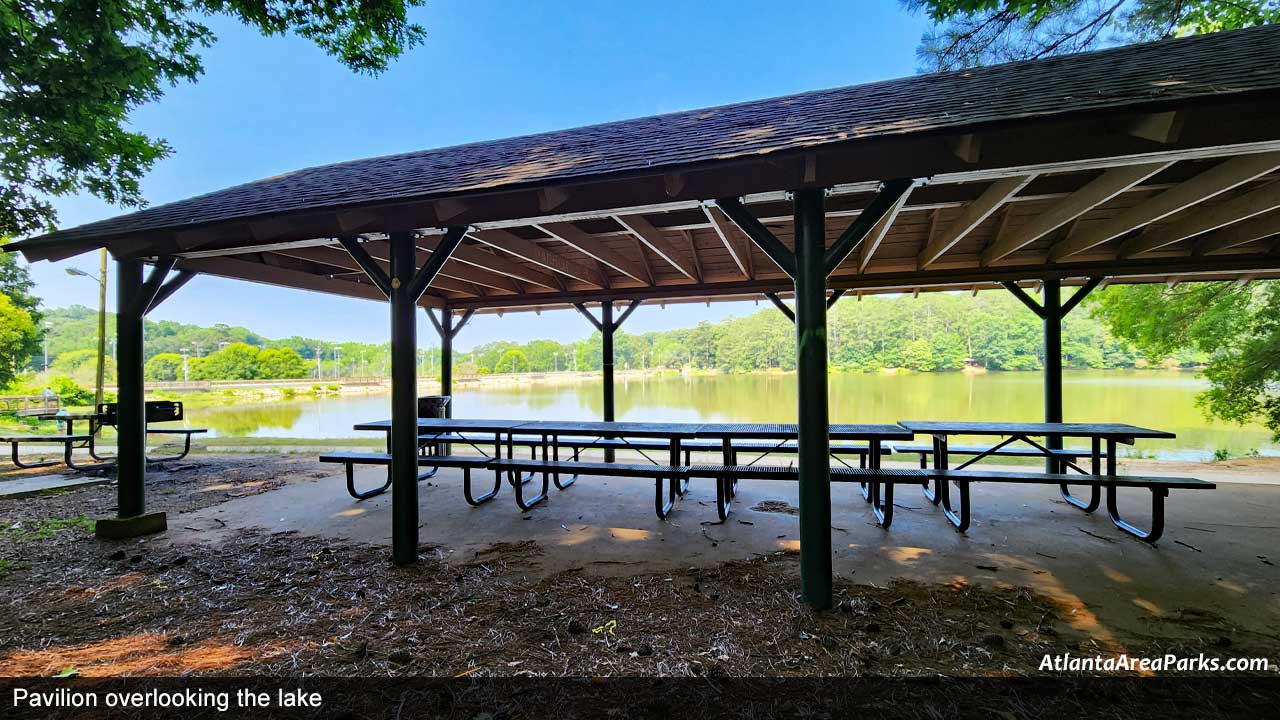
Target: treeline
(935,332)
(218,352)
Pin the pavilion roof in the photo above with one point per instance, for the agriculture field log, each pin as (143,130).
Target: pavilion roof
(1056,166)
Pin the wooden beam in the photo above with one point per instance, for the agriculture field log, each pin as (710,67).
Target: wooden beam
(1257,228)
(1214,181)
(973,215)
(258,272)
(1162,127)
(340,260)
(870,225)
(1097,191)
(483,260)
(739,250)
(693,255)
(1261,200)
(514,244)
(595,248)
(653,239)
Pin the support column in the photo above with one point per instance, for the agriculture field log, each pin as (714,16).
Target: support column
(446,358)
(811,379)
(131,427)
(1052,305)
(606,365)
(134,298)
(404,406)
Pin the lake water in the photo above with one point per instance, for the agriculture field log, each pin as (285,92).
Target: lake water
(1158,399)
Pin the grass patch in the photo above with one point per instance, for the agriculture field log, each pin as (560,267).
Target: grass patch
(7,567)
(46,529)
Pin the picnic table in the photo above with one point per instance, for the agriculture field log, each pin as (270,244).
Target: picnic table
(671,477)
(1102,472)
(674,434)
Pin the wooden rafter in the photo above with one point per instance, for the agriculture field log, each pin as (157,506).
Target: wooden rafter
(875,236)
(654,240)
(1099,190)
(339,260)
(259,272)
(1214,181)
(739,249)
(974,214)
(1257,228)
(1250,204)
(595,248)
(695,261)
(483,259)
(514,244)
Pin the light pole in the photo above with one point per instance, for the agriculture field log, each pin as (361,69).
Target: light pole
(102,326)
(47,325)
(185,374)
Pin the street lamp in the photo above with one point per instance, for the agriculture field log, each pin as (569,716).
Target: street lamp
(47,327)
(102,323)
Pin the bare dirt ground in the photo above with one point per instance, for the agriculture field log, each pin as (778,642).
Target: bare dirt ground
(284,604)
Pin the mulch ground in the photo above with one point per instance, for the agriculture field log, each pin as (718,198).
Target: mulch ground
(285,605)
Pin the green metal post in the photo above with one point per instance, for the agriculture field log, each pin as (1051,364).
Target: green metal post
(131,428)
(811,377)
(606,336)
(1052,305)
(446,358)
(404,405)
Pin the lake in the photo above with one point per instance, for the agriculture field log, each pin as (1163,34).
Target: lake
(1153,398)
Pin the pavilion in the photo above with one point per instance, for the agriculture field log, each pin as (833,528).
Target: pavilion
(1148,163)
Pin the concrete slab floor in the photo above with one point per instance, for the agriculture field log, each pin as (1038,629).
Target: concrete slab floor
(1218,564)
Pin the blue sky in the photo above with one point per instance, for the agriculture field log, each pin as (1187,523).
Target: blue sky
(488,70)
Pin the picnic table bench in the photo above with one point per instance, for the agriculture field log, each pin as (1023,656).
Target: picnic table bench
(68,442)
(154,411)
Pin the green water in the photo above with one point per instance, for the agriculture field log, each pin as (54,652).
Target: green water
(1158,399)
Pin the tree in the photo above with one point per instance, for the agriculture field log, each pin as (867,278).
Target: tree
(1237,326)
(512,361)
(969,33)
(72,71)
(16,284)
(164,367)
(237,361)
(16,331)
(280,363)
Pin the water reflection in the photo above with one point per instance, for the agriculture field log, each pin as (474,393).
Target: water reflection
(1160,399)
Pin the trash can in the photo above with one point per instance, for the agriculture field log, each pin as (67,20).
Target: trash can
(433,406)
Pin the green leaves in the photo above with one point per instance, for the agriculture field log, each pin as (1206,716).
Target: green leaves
(1238,327)
(72,71)
(969,33)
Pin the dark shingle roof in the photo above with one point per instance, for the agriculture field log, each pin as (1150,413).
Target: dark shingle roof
(1204,66)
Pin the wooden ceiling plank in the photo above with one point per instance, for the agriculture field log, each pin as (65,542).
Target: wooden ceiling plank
(1216,180)
(973,215)
(515,245)
(1251,204)
(654,240)
(1097,191)
(595,248)
(1242,233)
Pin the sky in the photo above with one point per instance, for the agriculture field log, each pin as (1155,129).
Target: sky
(487,70)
